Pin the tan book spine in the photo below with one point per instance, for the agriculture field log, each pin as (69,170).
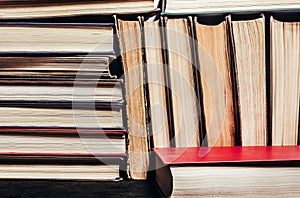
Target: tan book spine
(213,51)
(285,62)
(249,52)
(156,84)
(131,51)
(186,123)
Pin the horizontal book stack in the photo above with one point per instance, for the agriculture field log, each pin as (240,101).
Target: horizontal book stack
(61,110)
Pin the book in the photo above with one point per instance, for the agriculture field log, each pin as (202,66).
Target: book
(248,39)
(56,38)
(61,117)
(182,85)
(284,81)
(131,52)
(60,172)
(227,6)
(156,84)
(214,57)
(247,171)
(82,143)
(63,93)
(50,9)
(66,65)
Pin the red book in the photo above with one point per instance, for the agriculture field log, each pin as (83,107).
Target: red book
(257,171)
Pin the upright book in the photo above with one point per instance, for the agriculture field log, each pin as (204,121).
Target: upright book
(248,39)
(285,51)
(131,51)
(181,76)
(156,81)
(216,81)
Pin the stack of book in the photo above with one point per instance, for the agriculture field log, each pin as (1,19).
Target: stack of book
(58,100)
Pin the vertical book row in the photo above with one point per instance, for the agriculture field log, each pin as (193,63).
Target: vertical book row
(209,81)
